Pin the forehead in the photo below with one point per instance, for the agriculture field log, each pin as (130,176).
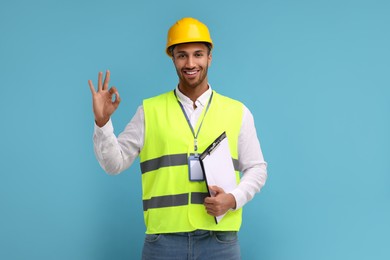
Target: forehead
(191,47)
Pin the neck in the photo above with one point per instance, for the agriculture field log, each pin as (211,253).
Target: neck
(193,93)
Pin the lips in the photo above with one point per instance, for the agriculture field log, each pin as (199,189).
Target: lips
(190,73)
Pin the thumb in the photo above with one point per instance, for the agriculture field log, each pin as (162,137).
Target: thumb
(216,189)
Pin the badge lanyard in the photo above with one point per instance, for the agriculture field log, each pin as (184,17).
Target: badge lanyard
(189,122)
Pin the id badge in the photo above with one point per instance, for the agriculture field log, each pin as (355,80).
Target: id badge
(194,169)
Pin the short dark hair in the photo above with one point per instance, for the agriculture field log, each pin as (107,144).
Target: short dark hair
(171,48)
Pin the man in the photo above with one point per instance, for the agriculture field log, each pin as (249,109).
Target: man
(165,132)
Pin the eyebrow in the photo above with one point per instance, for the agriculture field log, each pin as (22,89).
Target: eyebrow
(185,52)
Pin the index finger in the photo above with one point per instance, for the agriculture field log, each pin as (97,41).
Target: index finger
(91,87)
(209,200)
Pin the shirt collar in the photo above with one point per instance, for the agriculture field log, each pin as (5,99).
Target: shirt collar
(202,100)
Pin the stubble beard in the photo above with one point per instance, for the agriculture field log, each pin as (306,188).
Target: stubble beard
(187,84)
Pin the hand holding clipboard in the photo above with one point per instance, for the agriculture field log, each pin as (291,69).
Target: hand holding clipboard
(218,169)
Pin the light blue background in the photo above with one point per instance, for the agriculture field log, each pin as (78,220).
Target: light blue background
(315,74)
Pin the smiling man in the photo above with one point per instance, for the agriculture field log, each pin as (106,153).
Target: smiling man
(167,132)
(192,61)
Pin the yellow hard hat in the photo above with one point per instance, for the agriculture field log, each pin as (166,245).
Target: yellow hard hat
(187,30)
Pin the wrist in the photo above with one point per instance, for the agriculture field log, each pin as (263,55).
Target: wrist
(101,122)
(232,203)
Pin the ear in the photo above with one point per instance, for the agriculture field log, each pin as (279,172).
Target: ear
(210,58)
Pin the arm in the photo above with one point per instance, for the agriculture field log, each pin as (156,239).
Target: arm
(117,154)
(250,162)
(114,154)
(252,166)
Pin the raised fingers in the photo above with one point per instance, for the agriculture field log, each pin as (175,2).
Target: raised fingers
(91,87)
(100,76)
(106,80)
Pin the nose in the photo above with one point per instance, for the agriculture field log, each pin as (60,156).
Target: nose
(190,62)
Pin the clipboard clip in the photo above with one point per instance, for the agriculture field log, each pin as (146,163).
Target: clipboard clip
(216,143)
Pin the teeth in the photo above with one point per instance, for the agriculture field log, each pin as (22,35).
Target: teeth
(191,72)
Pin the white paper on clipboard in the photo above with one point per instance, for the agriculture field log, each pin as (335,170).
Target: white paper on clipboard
(218,168)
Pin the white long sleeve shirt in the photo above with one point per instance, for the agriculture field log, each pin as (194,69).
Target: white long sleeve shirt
(116,154)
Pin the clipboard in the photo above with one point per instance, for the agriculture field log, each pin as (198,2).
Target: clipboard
(217,166)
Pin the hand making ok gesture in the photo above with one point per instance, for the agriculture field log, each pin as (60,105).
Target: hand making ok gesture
(103,105)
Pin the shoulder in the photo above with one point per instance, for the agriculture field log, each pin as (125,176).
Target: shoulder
(227,100)
(159,98)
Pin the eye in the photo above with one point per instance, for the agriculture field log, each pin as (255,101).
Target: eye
(180,56)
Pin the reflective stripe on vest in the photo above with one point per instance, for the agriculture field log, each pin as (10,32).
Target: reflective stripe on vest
(174,200)
(170,160)
(171,202)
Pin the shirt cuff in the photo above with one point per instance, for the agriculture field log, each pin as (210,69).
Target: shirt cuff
(105,130)
(239,197)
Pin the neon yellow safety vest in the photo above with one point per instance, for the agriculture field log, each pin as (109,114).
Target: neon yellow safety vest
(171,202)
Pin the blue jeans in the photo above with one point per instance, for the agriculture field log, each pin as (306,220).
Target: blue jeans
(199,245)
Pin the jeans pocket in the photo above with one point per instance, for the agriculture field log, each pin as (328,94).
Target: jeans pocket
(226,236)
(152,237)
